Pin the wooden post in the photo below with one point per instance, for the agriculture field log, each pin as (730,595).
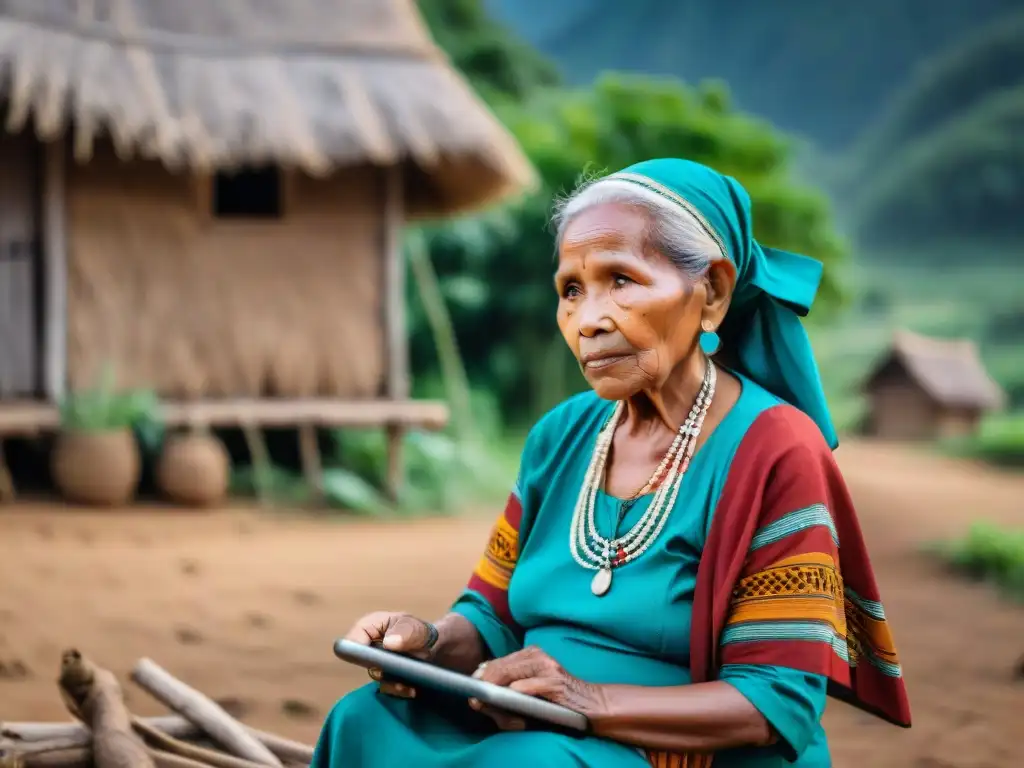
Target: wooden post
(312,464)
(7,492)
(394,319)
(55,263)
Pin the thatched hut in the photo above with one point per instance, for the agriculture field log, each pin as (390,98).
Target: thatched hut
(924,388)
(207,196)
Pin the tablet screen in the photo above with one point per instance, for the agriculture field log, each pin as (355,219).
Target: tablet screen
(421,673)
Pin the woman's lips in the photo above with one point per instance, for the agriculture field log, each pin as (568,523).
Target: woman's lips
(594,362)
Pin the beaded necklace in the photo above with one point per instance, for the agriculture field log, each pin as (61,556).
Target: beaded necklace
(593,551)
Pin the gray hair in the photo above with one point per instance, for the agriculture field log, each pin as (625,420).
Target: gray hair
(674,231)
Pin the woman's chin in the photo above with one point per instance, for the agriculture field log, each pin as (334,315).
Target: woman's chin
(611,388)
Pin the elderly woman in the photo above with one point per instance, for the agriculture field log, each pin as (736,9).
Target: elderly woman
(669,560)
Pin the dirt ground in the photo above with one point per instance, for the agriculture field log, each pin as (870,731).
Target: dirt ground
(245,606)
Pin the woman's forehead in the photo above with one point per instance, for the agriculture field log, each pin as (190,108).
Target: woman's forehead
(604,226)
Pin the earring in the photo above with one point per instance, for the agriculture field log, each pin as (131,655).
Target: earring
(709,341)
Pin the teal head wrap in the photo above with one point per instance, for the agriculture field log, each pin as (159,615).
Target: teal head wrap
(762,331)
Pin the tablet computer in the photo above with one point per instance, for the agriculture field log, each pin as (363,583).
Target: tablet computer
(426,675)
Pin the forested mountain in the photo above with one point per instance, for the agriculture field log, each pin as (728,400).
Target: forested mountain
(822,68)
(946,157)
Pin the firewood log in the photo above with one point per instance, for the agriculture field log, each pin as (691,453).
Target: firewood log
(94,696)
(202,712)
(173,725)
(170,745)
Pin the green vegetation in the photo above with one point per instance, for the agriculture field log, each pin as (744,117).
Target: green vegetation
(989,553)
(443,477)
(947,87)
(944,161)
(1000,441)
(976,298)
(967,176)
(497,64)
(103,407)
(824,69)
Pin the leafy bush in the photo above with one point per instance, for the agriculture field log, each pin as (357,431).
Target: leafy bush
(999,441)
(443,474)
(444,471)
(989,553)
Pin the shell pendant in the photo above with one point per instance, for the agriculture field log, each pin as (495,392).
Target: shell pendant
(601,582)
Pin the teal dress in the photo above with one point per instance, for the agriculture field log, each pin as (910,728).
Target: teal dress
(637,634)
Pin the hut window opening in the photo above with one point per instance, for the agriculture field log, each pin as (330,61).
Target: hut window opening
(251,193)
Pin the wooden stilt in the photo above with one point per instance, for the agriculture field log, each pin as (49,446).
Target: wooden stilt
(312,463)
(395,477)
(7,493)
(394,321)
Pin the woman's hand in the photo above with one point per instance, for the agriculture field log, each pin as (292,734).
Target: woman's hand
(398,632)
(533,672)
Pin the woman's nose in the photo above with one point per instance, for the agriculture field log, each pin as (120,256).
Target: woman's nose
(594,317)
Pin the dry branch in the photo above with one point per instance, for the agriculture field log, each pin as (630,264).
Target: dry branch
(8,745)
(82,757)
(173,725)
(78,735)
(202,712)
(79,757)
(94,696)
(170,745)
(169,760)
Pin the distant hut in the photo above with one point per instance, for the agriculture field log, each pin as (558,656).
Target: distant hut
(925,388)
(207,195)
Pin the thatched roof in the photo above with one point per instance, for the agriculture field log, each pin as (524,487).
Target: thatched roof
(950,371)
(210,84)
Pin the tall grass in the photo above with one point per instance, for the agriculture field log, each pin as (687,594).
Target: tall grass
(989,553)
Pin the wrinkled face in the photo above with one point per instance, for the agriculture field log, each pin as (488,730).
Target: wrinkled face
(630,316)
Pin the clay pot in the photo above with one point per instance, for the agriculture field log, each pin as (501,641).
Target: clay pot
(194,470)
(99,468)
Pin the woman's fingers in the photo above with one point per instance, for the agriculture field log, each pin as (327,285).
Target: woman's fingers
(528,663)
(391,687)
(408,635)
(370,628)
(504,720)
(398,690)
(534,686)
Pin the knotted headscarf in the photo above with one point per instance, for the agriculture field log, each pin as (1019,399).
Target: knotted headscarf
(762,330)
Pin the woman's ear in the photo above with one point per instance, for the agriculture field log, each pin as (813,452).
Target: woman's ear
(721,280)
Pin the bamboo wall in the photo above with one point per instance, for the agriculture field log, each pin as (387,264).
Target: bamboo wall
(19,254)
(196,307)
